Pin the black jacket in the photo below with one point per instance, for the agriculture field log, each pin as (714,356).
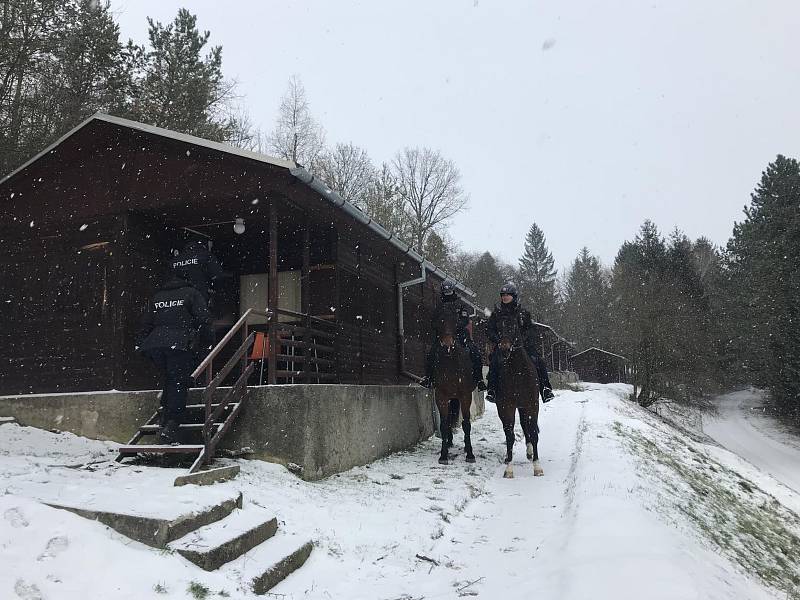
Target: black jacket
(449,313)
(177,318)
(512,310)
(196,265)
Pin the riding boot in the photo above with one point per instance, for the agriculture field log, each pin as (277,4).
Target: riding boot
(547,389)
(491,378)
(491,391)
(477,377)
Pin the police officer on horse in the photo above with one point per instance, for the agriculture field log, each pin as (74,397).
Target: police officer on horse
(509,307)
(447,307)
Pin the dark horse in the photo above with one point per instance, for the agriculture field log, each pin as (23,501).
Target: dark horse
(454,386)
(518,390)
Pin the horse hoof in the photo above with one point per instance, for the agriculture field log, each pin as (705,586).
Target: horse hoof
(443,461)
(508,473)
(470,459)
(529,451)
(537,469)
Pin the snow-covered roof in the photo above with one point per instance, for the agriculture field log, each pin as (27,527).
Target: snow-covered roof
(159,131)
(560,337)
(599,350)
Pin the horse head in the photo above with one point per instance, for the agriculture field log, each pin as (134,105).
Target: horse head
(446,330)
(510,337)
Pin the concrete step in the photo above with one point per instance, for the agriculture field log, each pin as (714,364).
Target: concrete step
(208,476)
(156,531)
(161,449)
(265,566)
(199,406)
(182,426)
(212,546)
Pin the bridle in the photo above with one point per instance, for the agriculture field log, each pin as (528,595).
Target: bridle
(447,342)
(509,343)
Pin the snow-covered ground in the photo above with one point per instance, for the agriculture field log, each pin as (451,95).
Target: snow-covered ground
(628,508)
(743,427)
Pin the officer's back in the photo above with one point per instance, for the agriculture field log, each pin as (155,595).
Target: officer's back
(195,264)
(178,313)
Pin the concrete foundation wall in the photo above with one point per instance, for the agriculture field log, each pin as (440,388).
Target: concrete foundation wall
(324,429)
(327,429)
(560,379)
(111,416)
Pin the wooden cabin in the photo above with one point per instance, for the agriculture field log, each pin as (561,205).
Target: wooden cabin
(88,226)
(600,366)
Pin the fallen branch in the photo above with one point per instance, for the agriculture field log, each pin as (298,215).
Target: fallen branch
(428,559)
(466,585)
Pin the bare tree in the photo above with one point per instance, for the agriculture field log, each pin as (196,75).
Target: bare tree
(297,135)
(348,170)
(430,186)
(383,203)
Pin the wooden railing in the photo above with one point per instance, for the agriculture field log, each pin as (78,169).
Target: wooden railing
(304,350)
(307,343)
(237,392)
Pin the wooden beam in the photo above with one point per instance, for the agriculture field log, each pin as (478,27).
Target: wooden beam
(305,298)
(272,286)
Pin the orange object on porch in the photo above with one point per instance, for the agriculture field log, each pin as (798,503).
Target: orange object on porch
(260,349)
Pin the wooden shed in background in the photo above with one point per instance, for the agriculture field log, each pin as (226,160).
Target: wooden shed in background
(600,366)
(87,227)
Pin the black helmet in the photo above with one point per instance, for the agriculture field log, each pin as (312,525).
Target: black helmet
(510,289)
(448,290)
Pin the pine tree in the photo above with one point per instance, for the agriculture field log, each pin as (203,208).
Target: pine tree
(764,282)
(59,63)
(640,300)
(178,88)
(585,305)
(485,278)
(537,277)
(436,250)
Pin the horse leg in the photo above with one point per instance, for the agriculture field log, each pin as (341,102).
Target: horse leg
(523,422)
(529,418)
(466,426)
(508,418)
(444,428)
(446,431)
(453,415)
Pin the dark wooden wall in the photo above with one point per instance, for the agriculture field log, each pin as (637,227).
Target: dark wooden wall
(367,309)
(58,322)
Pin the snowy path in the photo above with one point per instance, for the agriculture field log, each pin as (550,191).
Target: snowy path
(616,516)
(755,437)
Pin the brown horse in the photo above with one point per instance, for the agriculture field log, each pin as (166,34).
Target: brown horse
(518,390)
(453,387)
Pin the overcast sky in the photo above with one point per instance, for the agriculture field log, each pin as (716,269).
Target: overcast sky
(584,117)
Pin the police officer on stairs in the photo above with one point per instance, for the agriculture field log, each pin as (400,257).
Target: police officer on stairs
(196,264)
(175,325)
(448,303)
(509,307)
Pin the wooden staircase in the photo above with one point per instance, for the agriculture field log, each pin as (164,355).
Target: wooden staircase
(209,421)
